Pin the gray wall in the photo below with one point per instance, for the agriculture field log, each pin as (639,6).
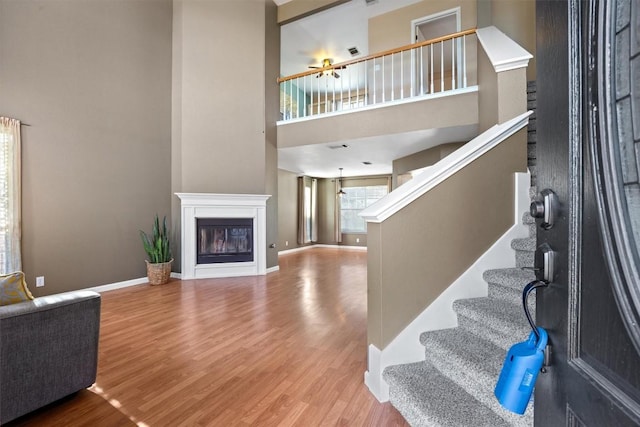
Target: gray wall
(287,210)
(93,79)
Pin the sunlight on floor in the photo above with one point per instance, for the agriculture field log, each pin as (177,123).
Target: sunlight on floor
(116,404)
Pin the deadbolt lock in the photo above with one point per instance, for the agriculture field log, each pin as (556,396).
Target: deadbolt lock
(545,207)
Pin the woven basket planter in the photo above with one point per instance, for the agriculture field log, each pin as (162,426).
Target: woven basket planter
(158,274)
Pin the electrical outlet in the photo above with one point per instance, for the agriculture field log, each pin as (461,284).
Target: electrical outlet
(357,240)
(39,281)
(286,243)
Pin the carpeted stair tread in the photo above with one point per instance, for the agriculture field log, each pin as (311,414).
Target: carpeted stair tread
(471,362)
(454,385)
(499,321)
(524,244)
(425,397)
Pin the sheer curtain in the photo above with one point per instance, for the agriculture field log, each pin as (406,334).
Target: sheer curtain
(337,226)
(10,196)
(307,210)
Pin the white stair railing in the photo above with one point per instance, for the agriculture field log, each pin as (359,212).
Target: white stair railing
(416,70)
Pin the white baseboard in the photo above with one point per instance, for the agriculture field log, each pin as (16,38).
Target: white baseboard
(406,347)
(358,248)
(273,269)
(320,245)
(118,285)
(290,251)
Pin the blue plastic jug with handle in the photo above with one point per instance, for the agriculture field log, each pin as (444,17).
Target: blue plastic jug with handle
(520,371)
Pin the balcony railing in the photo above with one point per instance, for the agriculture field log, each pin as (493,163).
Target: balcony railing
(418,70)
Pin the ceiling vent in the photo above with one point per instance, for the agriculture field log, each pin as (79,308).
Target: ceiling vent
(366,163)
(354,51)
(335,147)
(370,2)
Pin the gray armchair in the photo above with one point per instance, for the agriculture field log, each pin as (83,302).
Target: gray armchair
(48,350)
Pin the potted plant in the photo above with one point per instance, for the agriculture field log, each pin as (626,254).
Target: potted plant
(158,249)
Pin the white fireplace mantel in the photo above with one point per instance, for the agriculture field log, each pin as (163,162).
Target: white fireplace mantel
(211,205)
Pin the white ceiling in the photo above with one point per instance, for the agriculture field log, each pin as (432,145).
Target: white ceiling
(328,34)
(323,160)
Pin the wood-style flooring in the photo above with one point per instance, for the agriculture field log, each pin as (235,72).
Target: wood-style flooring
(286,349)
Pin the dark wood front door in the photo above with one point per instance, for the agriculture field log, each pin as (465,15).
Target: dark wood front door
(588,132)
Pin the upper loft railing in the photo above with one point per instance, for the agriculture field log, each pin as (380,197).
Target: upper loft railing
(417,70)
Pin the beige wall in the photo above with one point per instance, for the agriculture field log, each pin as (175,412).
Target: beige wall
(327,198)
(517,19)
(422,159)
(417,254)
(393,29)
(454,110)
(271,116)
(296,9)
(501,96)
(223,139)
(93,79)
(287,210)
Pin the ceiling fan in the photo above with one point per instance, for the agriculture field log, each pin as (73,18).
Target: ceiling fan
(332,72)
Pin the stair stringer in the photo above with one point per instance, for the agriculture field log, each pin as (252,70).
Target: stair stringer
(406,347)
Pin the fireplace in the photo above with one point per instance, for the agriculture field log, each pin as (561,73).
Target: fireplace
(224,240)
(223,235)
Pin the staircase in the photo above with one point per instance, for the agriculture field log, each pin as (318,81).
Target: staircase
(454,385)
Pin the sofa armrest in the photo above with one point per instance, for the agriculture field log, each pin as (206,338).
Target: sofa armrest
(48,350)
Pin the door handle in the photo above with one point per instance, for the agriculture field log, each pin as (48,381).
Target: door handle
(545,207)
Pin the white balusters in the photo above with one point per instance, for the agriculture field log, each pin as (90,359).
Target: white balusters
(378,79)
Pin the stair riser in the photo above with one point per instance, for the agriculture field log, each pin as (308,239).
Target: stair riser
(524,259)
(497,335)
(510,294)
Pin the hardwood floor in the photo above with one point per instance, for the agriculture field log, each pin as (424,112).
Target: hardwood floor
(284,349)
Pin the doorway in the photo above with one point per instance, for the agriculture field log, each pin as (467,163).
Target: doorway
(429,67)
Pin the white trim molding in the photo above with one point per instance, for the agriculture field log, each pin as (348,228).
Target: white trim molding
(410,191)
(504,53)
(406,347)
(211,205)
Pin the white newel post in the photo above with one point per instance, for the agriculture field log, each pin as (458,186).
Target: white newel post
(209,205)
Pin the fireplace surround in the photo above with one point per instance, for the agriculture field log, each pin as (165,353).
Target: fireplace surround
(226,212)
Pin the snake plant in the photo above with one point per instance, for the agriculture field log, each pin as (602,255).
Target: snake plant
(157,245)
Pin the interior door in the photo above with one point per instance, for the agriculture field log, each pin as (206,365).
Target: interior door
(588,130)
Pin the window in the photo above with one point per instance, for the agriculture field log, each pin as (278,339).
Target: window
(10,259)
(307,210)
(355,200)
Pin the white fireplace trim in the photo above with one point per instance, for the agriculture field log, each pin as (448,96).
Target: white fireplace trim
(211,205)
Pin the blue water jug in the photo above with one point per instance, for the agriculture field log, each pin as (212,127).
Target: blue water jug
(519,372)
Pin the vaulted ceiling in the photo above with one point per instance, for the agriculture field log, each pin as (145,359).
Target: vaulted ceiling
(329,34)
